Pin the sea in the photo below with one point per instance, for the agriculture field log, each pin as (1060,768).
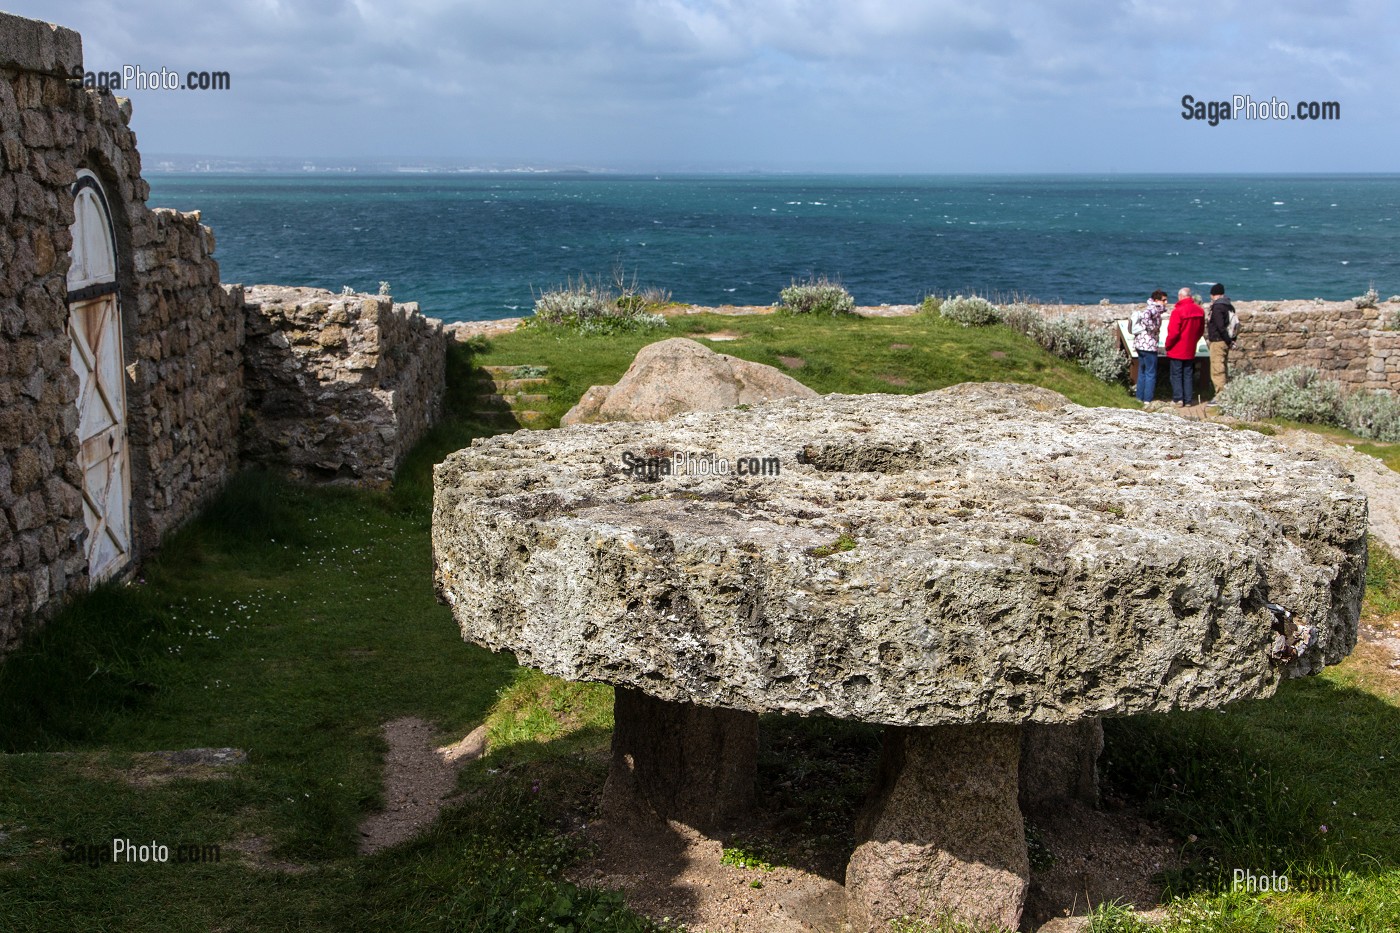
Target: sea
(481,246)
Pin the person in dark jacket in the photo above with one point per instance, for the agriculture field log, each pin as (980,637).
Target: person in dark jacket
(1188,322)
(1218,336)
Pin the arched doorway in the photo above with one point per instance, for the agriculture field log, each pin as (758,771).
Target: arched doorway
(94,324)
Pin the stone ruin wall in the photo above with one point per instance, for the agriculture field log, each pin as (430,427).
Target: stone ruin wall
(1345,343)
(1348,344)
(184,386)
(184,339)
(340,387)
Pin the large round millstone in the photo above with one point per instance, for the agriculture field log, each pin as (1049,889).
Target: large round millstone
(978,554)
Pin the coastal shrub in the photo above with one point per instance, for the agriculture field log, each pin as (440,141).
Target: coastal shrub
(931,304)
(592,308)
(973,311)
(1022,318)
(1092,346)
(1298,393)
(1370,300)
(1372,414)
(816,296)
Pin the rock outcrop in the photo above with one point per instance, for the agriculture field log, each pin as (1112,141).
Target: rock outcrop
(960,556)
(986,569)
(676,375)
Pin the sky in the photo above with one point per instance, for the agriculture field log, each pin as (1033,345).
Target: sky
(790,85)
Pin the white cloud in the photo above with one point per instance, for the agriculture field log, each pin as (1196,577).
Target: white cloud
(720,79)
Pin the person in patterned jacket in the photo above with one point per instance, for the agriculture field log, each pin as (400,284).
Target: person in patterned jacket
(1147,326)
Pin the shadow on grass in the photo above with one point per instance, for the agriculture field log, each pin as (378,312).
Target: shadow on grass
(497,860)
(459,426)
(1305,784)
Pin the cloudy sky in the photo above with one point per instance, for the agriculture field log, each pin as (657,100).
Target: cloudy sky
(793,85)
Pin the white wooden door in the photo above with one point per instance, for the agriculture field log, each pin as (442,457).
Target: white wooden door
(94,324)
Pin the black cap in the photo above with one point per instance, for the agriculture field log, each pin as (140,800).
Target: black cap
(1217,289)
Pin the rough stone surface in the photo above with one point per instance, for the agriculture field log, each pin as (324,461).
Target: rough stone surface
(340,387)
(182,337)
(679,761)
(958,556)
(676,375)
(943,835)
(41,48)
(1059,762)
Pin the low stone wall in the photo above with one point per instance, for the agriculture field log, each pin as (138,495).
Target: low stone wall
(339,386)
(1345,343)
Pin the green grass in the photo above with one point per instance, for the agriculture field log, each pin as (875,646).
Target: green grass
(1306,784)
(293,623)
(902,355)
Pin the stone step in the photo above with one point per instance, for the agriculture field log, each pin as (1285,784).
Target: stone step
(513,398)
(514,385)
(524,417)
(509,372)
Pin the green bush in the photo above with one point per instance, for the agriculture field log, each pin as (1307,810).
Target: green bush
(931,304)
(590,307)
(1372,414)
(816,296)
(1301,393)
(1093,346)
(1298,393)
(575,303)
(973,311)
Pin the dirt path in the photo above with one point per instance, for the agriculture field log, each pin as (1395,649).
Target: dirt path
(1380,483)
(418,778)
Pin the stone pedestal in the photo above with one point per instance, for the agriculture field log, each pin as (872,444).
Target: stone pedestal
(942,836)
(1060,762)
(693,764)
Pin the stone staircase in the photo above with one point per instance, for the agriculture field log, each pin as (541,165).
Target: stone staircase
(511,395)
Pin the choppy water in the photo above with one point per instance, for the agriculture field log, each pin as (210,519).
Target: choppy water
(471,247)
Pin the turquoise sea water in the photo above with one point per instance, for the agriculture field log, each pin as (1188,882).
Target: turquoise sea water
(471,247)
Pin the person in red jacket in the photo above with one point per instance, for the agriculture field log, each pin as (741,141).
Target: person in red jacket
(1187,323)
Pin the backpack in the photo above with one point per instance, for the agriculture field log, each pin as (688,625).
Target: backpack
(1135,323)
(1232,322)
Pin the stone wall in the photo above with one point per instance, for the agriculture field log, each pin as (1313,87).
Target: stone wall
(339,386)
(181,333)
(1348,344)
(186,371)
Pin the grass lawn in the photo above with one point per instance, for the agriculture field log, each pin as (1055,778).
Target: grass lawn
(292,623)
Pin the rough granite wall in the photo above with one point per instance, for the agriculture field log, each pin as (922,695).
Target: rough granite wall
(181,336)
(339,386)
